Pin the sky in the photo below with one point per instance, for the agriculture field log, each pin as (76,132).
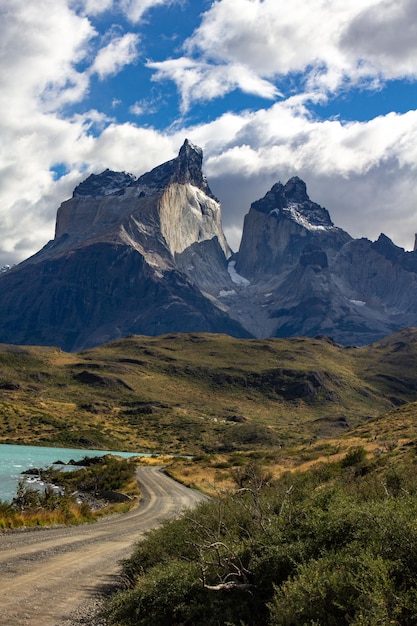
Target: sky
(322,89)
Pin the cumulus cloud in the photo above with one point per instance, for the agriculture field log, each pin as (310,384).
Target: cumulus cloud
(125,147)
(331,45)
(135,9)
(119,52)
(39,53)
(198,81)
(385,34)
(365,173)
(92,7)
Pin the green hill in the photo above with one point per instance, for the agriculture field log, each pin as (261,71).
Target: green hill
(193,393)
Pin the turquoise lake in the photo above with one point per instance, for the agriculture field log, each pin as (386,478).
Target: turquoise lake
(15,459)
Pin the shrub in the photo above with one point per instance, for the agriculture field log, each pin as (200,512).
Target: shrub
(322,548)
(340,588)
(356,456)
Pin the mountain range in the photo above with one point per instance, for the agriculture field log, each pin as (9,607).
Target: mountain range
(148,256)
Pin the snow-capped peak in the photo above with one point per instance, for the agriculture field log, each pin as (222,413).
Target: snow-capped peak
(295,213)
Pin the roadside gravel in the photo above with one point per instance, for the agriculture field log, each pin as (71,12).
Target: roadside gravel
(60,576)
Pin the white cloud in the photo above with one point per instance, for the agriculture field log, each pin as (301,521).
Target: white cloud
(119,52)
(40,47)
(364,173)
(136,109)
(39,52)
(135,9)
(92,7)
(385,34)
(199,82)
(125,147)
(331,44)
(146,106)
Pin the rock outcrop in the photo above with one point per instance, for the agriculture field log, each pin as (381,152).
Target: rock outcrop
(122,262)
(283,226)
(148,256)
(308,277)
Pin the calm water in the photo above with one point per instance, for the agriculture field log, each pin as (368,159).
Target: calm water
(15,459)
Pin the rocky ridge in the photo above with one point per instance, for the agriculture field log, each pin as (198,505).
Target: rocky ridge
(148,256)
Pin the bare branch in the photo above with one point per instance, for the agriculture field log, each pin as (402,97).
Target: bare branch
(229,586)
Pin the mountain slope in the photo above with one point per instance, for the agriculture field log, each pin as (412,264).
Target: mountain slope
(193,393)
(121,262)
(149,256)
(308,277)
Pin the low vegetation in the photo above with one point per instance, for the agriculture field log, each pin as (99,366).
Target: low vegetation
(83,495)
(149,393)
(331,546)
(308,449)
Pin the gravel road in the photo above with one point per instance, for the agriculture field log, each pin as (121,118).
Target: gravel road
(58,576)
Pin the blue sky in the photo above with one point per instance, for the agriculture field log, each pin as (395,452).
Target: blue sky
(269,89)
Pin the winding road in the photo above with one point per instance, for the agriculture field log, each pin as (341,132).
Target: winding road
(47,573)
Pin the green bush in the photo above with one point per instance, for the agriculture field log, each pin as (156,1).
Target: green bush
(340,588)
(354,457)
(164,597)
(331,547)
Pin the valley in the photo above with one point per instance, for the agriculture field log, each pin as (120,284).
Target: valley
(202,394)
(279,379)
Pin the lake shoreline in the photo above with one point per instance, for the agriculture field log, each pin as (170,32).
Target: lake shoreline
(15,459)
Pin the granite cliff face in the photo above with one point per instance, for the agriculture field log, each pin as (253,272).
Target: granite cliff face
(122,262)
(308,277)
(148,256)
(284,227)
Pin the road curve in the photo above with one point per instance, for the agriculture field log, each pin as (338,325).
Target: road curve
(47,573)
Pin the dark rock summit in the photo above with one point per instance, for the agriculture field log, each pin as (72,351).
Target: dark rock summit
(292,198)
(148,256)
(106,183)
(283,227)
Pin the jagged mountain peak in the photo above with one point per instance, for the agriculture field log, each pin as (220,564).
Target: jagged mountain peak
(189,166)
(145,256)
(291,201)
(295,189)
(104,184)
(172,201)
(185,168)
(149,256)
(387,248)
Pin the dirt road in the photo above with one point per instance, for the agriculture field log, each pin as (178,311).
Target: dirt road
(47,573)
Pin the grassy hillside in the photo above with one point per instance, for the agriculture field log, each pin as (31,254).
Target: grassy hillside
(198,393)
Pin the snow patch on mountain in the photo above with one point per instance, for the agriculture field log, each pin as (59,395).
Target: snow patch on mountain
(237,278)
(294,213)
(227,293)
(107,183)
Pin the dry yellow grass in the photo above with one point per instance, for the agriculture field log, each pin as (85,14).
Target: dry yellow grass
(188,394)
